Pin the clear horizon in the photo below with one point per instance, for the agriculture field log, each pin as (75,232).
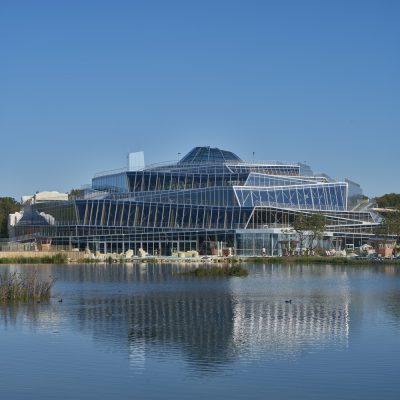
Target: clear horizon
(84,83)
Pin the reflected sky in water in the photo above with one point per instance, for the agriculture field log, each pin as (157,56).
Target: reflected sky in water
(144,331)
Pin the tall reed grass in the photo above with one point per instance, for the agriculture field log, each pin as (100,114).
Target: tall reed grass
(21,287)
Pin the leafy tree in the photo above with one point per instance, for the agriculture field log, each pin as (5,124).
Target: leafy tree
(310,228)
(8,205)
(300,227)
(74,193)
(316,226)
(390,225)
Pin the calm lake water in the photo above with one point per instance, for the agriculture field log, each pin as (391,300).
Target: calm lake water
(144,332)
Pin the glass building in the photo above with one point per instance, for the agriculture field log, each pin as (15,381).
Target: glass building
(210,201)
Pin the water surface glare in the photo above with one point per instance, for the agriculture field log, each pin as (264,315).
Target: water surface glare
(145,332)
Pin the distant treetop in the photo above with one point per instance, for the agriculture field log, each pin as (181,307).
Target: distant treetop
(8,205)
(390,200)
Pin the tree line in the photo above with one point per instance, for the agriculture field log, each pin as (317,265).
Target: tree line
(390,200)
(391,218)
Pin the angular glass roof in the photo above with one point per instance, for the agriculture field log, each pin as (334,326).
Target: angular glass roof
(31,216)
(208,155)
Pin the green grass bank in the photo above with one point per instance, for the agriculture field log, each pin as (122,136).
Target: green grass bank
(47,259)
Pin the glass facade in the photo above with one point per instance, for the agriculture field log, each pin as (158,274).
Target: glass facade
(319,196)
(210,196)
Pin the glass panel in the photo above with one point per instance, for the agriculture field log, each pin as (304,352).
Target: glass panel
(307,197)
(301,197)
(315,197)
(322,197)
(272,196)
(279,196)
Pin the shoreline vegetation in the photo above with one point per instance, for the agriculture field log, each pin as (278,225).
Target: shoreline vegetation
(321,260)
(217,271)
(19,287)
(59,258)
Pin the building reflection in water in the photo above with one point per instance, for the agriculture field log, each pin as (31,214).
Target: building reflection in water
(199,325)
(150,312)
(317,314)
(287,328)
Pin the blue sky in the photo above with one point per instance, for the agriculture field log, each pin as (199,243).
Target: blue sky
(84,82)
